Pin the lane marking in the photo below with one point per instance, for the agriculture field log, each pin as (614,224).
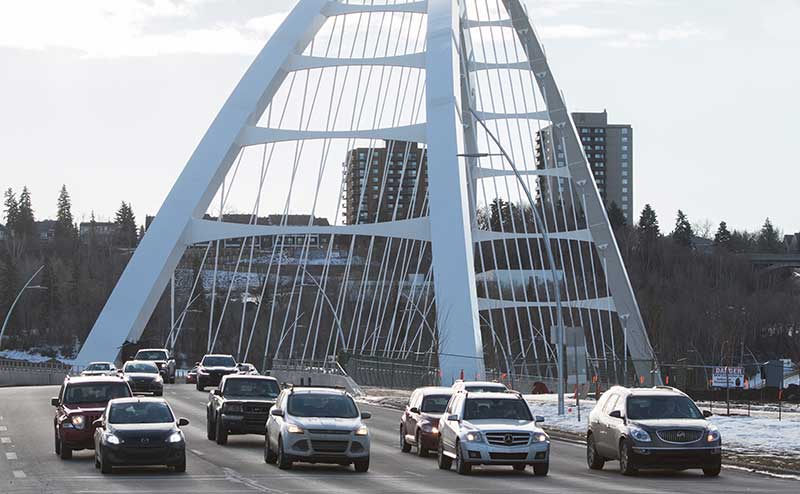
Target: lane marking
(19,474)
(415,474)
(3,428)
(198,453)
(11,456)
(5,440)
(235,477)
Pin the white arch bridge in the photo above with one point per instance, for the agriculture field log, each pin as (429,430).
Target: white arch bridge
(463,218)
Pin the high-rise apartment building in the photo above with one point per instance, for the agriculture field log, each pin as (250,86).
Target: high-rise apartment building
(609,150)
(385,183)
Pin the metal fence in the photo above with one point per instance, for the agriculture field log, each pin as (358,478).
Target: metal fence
(388,373)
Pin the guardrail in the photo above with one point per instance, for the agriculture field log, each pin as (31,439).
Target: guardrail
(23,373)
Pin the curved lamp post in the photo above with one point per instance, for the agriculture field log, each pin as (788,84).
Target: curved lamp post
(11,309)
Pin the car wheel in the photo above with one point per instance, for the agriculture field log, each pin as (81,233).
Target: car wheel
(96,460)
(105,465)
(404,446)
(519,468)
(222,432)
(421,451)
(66,452)
(625,465)
(713,471)
(541,469)
(159,393)
(361,466)
(284,462)
(269,455)
(211,429)
(172,380)
(444,461)
(57,443)
(181,467)
(200,386)
(462,467)
(593,458)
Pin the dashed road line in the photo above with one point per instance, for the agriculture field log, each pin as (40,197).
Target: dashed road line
(3,428)
(19,474)
(5,440)
(11,456)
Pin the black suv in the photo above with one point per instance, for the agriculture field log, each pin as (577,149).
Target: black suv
(240,406)
(657,427)
(212,368)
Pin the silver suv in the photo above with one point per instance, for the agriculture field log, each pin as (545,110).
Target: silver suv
(657,427)
(316,425)
(492,429)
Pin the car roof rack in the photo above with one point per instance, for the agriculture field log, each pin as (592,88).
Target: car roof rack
(292,386)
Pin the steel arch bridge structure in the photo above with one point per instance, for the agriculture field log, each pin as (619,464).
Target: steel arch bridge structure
(458,265)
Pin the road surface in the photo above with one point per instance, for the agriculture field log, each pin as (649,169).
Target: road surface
(29,465)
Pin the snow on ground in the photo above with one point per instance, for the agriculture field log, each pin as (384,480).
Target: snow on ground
(28,356)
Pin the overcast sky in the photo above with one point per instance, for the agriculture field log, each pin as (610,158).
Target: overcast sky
(111,97)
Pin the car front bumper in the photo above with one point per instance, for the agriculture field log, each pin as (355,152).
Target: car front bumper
(326,448)
(161,454)
(146,386)
(78,438)
(482,453)
(675,458)
(245,424)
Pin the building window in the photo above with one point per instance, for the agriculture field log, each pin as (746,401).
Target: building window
(624,164)
(601,131)
(624,131)
(624,206)
(624,156)
(624,190)
(624,148)
(374,187)
(624,181)
(624,139)
(624,198)
(362,156)
(624,173)
(584,130)
(599,139)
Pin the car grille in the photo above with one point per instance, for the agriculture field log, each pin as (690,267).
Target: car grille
(508,456)
(680,435)
(329,431)
(508,438)
(259,409)
(329,446)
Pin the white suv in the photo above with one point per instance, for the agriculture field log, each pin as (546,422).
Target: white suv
(492,429)
(316,425)
(478,386)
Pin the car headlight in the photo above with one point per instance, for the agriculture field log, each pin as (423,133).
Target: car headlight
(361,431)
(473,437)
(539,437)
(294,429)
(175,437)
(78,421)
(112,439)
(159,379)
(712,434)
(232,408)
(638,434)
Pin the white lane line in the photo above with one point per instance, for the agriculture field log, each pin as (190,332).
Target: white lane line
(11,456)
(198,453)
(415,474)
(3,428)
(19,474)
(5,440)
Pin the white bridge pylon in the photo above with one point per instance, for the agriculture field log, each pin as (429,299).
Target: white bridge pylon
(466,55)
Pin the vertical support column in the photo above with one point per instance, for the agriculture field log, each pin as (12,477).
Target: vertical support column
(460,345)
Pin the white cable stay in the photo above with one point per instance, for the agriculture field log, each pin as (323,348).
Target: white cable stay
(252,135)
(583,235)
(524,65)
(302,62)
(334,8)
(531,115)
(602,303)
(205,230)
(473,23)
(480,172)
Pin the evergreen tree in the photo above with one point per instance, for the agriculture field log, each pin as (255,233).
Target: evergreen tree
(126,226)
(11,210)
(769,239)
(615,216)
(25,223)
(683,233)
(722,239)
(648,225)
(65,234)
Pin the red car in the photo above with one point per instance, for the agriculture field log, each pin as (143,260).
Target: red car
(81,401)
(191,376)
(420,420)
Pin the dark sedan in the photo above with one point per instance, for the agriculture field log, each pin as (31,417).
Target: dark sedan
(420,420)
(143,377)
(212,368)
(139,432)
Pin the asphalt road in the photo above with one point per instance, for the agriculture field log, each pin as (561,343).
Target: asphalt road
(28,464)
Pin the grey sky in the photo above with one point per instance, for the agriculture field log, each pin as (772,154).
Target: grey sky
(110,98)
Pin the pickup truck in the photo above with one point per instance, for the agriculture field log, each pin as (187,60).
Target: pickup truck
(240,405)
(163,360)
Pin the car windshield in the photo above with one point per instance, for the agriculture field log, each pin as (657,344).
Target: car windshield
(143,367)
(98,367)
(256,388)
(219,361)
(322,405)
(434,403)
(662,407)
(152,355)
(496,408)
(486,388)
(77,394)
(141,412)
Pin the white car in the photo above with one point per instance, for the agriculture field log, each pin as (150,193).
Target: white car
(492,429)
(479,386)
(316,425)
(100,369)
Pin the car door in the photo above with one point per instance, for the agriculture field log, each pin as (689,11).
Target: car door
(616,427)
(449,428)
(412,417)
(601,427)
(274,422)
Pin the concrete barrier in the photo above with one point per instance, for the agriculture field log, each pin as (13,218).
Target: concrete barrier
(21,373)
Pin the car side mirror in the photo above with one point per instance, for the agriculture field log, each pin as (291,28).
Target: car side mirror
(54,402)
(276,412)
(216,392)
(98,423)
(366,415)
(183,422)
(538,419)
(197,363)
(452,418)
(616,414)
(707,413)
(413,410)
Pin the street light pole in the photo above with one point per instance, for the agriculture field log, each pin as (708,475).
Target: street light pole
(550,259)
(11,309)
